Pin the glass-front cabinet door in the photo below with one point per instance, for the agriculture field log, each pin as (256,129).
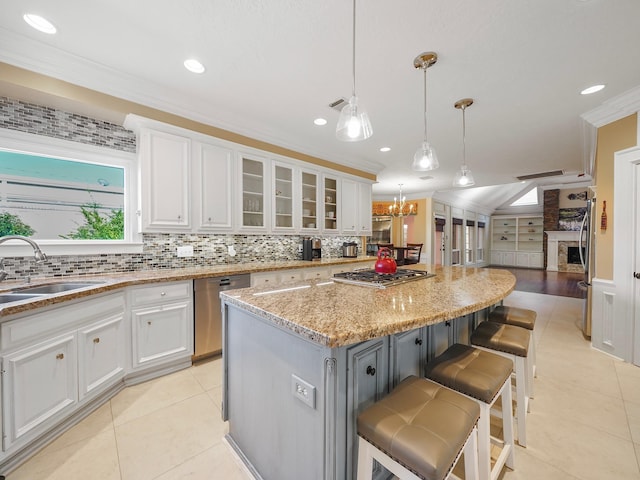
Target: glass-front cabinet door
(283,194)
(309,201)
(330,190)
(253,194)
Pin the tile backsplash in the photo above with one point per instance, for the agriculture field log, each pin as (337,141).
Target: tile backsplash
(159,250)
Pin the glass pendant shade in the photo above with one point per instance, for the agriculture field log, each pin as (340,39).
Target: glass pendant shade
(354,124)
(463,177)
(425,158)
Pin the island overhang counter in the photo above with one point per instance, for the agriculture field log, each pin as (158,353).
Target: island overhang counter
(301,359)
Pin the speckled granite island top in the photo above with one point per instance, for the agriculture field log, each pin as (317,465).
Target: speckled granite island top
(337,314)
(110,282)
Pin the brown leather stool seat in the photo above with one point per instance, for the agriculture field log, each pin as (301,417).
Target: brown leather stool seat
(502,338)
(511,342)
(471,371)
(520,317)
(484,376)
(420,425)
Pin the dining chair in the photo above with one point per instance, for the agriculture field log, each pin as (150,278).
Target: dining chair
(413,254)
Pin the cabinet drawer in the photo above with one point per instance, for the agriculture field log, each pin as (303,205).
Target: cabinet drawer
(39,325)
(161,293)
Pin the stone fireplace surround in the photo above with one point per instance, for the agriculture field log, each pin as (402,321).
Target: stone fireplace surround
(557,244)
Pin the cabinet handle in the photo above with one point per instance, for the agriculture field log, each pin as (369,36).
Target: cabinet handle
(371,370)
(418,341)
(636,275)
(209,218)
(162,294)
(179,217)
(60,356)
(96,340)
(149,323)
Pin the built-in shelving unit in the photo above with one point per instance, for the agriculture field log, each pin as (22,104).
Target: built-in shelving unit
(517,241)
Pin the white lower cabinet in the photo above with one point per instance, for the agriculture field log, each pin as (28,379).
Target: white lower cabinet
(60,361)
(161,323)
(55,360)
(101,353)
(40,384)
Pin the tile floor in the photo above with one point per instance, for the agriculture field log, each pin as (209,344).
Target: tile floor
(584,421)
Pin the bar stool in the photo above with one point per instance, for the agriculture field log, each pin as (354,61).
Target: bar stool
(519,317)
(419,431)
(513,343)
(484,377)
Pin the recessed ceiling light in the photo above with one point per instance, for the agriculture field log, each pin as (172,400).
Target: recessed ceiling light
(320,121)
(41,24)
(193,65)
(593,89)
(385,149)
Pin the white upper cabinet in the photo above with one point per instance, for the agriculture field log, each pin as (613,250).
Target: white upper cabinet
(165,170)
(283,195)
(331,203)
(254,200)
(364,208)
(310,201)
(192,182)
(355,207)
(349,206)
(212,187)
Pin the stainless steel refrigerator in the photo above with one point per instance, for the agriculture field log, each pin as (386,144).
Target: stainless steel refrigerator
(587,258)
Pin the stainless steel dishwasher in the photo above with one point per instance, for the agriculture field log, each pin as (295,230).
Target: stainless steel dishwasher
(208,313)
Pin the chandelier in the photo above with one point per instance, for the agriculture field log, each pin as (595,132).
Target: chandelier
(400,208)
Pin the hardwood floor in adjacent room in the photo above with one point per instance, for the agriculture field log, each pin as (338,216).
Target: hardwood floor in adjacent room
(563,284)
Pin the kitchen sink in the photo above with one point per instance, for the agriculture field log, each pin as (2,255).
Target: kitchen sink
(55,288)
(15,297)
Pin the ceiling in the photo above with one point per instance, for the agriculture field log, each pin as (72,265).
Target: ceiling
(273,67)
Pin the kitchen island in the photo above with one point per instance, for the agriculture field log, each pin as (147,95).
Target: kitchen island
(301,360)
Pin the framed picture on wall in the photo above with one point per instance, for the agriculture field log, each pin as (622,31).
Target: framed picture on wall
(571,218)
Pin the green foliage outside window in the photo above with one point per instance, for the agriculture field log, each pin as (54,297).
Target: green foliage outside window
(12,225)
(98,227)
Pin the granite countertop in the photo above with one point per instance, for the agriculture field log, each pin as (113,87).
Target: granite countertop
(337,314)
(114,281)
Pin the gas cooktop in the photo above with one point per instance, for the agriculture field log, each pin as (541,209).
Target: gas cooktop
(371,278)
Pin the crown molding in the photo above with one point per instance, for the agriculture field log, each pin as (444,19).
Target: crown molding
(614,109)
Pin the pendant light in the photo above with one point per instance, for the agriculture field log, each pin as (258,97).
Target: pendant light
(354,124)
(425,158)
(463,177)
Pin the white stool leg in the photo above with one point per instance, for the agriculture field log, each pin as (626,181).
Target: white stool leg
(471,456)
(532,353)
(522,400)
(507,425)
(365,459)
(484,442)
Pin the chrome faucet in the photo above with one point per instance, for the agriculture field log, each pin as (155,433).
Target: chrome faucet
(38,254)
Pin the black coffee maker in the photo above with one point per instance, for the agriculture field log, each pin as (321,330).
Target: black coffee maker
(311,248)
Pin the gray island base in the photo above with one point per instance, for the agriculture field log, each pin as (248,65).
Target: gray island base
(303,359)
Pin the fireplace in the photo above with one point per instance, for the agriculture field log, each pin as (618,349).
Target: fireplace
(562,251)
(573,255)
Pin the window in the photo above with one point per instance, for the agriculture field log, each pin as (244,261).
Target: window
(469,240)
(529,198)
(480,242)
(72,198)
(456,240)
